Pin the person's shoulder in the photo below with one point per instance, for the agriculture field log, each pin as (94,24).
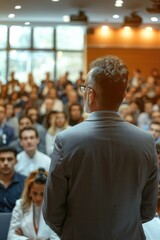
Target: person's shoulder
(21,155)
(76,129)
(140,132)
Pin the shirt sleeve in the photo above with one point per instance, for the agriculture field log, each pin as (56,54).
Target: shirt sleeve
(16,222)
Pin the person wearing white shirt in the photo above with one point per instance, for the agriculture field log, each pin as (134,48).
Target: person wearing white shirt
(30,159)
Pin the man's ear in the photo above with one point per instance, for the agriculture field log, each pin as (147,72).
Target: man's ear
(91,97)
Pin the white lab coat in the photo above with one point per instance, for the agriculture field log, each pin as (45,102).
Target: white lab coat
(25,222)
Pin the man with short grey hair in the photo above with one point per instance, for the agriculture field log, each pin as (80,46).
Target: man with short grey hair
(103,177)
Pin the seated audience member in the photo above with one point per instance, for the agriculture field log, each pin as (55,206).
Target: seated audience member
(34,100)
(13,84)
(72,98)
(124,110)
(155,130)
(32,112)
(6,132)
(30,84)
(45,85)
(26,121)
(130,118)
(30,159)
(58,122)
(155,116)
(152,229)
(10,118)
(49,105)
(144,118)
(75,114)
(11,182)
(27,220)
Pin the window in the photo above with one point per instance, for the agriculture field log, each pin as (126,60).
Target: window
(43,37)
(3,38)
(70,38)
(3,66)
(71,62)
(19,37)
(34,49)
(42,62)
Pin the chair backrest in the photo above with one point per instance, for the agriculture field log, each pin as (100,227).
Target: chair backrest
(5,219)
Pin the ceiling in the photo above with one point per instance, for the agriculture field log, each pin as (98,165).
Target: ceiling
(44,12)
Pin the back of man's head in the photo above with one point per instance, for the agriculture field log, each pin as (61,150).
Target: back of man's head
(109,75)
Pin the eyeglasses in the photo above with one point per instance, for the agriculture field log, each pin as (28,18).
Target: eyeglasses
(83,88)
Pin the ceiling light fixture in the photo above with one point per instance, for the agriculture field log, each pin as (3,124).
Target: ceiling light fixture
(154,19)
(115,16)
(11,15)
(118,3)
(27,23)
(66,18)
(55,0)
(18,7)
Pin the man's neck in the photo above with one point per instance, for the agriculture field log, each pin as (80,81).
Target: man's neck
(5,180)
(31,153)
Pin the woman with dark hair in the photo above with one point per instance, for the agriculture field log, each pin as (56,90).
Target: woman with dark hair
(27,221)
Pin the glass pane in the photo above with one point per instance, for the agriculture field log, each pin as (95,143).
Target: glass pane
(3,38)
(20,63)
(70,37)
(23,62)
(42,62)
(43,37)
(71,62)
(20,37)
(3,66)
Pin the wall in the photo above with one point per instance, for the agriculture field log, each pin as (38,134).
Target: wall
(138,48)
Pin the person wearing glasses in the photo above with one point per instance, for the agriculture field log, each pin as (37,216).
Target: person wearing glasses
(27,220)
(103,177)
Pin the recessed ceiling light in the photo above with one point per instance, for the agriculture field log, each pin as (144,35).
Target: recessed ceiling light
(55,0)
(27,23)
(18,7)
(11,15)
(154,19)
(115,16)
(66,18)
(118,3)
